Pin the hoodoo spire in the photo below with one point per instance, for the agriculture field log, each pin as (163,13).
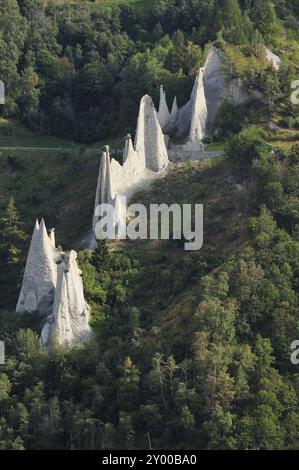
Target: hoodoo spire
(163,113)
(61,327)
(68,323)
(39,278)
(128,151)
(104,184)
(198,115)
(150,144)
(52,237)
(139,164)
(173,115)
(130,162)
(108,192)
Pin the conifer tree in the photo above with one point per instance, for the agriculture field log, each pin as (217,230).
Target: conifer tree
(12,236)
(263,15)
(100,256)
(12,242)
(231,20)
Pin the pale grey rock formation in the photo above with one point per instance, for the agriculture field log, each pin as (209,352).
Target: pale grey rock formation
(52,236)
(174,113)
(141,162)
(185,114)
(167,120)
(108,185)
(163,113)
(39,280)
(273,126)
(132,166)
(167,141)
(236,93)
(128,151)
(149,142)
(215,82)
(101,187)
(52,287)
(58,324)
(198,115)
(69,321)
(104,191)
(219,86)
(148,156)
(273,59)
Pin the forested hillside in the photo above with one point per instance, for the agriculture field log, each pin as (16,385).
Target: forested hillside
(78,70)
(201,362)
(191,350)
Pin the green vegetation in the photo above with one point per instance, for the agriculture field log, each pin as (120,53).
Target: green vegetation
(141,6)
(202,362)
(55,53)
(57,185)
(13,134)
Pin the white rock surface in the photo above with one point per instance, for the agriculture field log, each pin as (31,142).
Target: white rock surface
(184,119)
(215,82)
(68,323)
(148,156)
(52,287)
(173,116)
(149,140)
(40,276)
(52,236)
(140,165)
(217,88)
(163,113)
(198,115)
(273,59)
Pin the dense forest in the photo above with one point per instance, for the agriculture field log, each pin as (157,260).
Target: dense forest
(78,72)
(190,350)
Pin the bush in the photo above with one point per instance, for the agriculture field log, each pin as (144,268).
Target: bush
(245,148)
(230,120)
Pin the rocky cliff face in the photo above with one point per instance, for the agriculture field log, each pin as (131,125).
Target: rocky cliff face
(40,276)
(199,115)
(149,142)
(218,86)
(163,114)
(52,288)
(141,162)
(68,323)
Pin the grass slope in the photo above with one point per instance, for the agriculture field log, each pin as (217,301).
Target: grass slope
(56,185)
(13,134)
(225,235)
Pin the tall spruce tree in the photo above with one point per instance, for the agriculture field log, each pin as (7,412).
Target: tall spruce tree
(264,17)
(231,21)
(12,241)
